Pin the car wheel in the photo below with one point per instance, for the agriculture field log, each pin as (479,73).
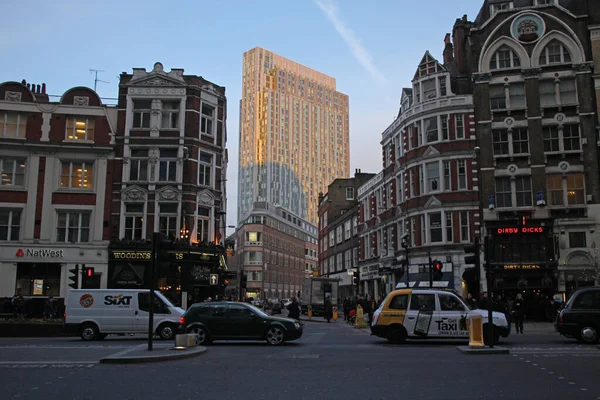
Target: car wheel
(275,335)
(396,335)
(588,334)
(166,331)
(201,333)
(89,332)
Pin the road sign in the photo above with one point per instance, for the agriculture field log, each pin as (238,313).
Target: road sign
(214,279)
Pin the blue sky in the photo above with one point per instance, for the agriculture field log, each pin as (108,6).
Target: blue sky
(371,47)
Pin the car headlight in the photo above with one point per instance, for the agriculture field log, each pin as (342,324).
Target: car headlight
(296,325)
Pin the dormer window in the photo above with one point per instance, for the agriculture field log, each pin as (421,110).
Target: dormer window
(494,8)
(555,53)
(504,58)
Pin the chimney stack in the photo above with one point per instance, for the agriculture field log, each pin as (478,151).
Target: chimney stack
(43,88)
(448,53)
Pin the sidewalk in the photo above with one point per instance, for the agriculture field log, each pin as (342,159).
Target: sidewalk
(161,352)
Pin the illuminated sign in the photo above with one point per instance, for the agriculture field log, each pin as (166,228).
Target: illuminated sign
(517,230)
(132,255)
(524,266)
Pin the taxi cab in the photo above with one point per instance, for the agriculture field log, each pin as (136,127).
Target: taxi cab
(429,313)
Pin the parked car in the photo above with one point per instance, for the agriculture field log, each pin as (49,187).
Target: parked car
(237,321)
(579,317)
(275,305)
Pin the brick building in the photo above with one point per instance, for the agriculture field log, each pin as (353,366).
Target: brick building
(427,192)
(338,231)
(276,250)
(531,65)
(56,160)
(169,178)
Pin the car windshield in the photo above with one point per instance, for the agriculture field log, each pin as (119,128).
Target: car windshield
(257,310)
(164,299)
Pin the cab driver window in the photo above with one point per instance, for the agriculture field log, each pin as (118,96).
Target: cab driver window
(450,303)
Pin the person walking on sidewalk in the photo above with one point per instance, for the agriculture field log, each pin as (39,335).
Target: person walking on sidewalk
(328,310)
(518,310)
(294,309)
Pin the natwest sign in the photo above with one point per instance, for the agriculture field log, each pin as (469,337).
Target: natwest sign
(40,253)
(520,229)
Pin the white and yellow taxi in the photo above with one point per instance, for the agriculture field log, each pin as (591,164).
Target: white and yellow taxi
(429,313)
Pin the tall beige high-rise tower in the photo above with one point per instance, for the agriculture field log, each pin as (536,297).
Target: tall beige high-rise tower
(294,134)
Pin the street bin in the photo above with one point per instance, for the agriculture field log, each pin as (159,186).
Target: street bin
(476,331)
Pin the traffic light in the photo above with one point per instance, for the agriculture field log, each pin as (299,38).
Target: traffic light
(437,270)
(74,277)
(355,278)
(472,253)
(88,272)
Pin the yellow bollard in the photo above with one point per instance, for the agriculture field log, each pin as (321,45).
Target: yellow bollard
(335,313)
(309,311)
(360,318)
(475,331)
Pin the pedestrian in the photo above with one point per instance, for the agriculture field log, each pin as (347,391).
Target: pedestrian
(294,309)
(328,310)
(368,308)
(518,310)
(346,307)
(471,302)
(379,300)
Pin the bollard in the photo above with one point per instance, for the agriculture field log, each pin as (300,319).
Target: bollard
(360,318)
(335,313)
(475,331)
(309,312)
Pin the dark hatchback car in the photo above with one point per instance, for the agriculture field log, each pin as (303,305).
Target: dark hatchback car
(580,316)
(237,321)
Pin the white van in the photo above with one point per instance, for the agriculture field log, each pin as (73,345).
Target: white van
(96,313)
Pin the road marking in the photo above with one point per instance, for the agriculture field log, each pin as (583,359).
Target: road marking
(47,364)
(65,347)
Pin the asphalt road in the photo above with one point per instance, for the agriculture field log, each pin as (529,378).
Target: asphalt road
(331,361)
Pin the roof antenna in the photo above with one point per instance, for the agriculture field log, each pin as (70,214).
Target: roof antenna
(96,80)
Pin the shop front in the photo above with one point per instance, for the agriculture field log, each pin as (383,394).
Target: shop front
(186,274)
(369,279)
(345,288)
(523,260)
(37,272)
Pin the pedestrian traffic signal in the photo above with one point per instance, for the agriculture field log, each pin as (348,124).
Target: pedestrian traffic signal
(74,277)
(88,272)
(437,270)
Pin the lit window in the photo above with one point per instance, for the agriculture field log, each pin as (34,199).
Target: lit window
(13,124)
(566,190)
(73,227)
(80,128)
(75,175)
(13,171)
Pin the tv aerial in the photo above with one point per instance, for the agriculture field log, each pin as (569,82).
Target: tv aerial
(96,80)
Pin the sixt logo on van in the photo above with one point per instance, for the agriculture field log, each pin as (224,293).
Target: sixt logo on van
(118,300)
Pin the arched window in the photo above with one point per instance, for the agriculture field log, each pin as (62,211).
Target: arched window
(555,53)
(505,57)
